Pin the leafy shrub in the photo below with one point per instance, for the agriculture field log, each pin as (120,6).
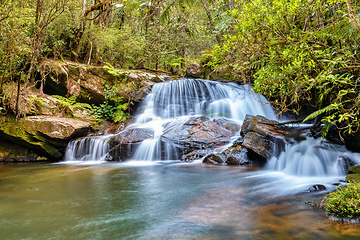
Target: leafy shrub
(344,202)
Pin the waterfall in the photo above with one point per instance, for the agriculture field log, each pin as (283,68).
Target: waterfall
(313,157)
(171,104)
(88,149)
(186,97)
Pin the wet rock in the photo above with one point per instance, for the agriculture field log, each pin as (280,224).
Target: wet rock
(199,133)
(233,156)
(215,159)
(194,71)
(194,155)
(237,155)
(260,145)
(316,187)
(265,137)
(345,163)
(132,135)
(46,135)
(124,143)
(121,152)
(188,140)
(260,125)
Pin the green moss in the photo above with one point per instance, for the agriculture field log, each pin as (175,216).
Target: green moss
(39,101)
(18,132)
(353,178)
(354,169)
(344,202)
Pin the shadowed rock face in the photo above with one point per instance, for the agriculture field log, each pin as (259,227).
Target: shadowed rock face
(47,135)
(194,71)
(87,82)
(194,135)
(202,133)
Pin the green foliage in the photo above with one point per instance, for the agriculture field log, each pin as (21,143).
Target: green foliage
(114,107)
(329,108)
(344,202)
(297,53)
(71,101)
(38,101)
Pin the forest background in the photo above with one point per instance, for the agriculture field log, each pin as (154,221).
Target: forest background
(301,54)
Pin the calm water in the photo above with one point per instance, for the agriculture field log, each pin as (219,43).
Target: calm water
(166,200)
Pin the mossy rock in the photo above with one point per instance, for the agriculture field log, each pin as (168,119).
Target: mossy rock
(45,135)
(354,169)
(354,174)
(10,152)
(353,178)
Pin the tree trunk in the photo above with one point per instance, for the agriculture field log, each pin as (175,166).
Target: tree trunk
(212,25)
(352,15)
(83,7)
(231,5)
(36,42)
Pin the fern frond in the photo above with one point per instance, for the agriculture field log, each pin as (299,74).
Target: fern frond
(334,106)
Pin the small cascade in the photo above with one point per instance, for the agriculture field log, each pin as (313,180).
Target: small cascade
(88,149)
(171,104)
(196,97)
(313,157)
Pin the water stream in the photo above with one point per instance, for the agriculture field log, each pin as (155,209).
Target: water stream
(154,197)
(171,104)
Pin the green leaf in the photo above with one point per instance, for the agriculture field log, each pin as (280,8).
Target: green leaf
(334,106)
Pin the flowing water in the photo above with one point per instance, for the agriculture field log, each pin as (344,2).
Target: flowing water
(86,197)
(171,104)
(161,200)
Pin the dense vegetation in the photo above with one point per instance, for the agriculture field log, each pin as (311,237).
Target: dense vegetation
(344,202)
(298,53)
(138,34)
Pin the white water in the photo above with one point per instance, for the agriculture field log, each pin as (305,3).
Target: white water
(195,97)
(170,104)
(88,149)
(312,157)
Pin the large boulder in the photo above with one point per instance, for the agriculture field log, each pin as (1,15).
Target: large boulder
(90,83)
(200,133)
(188,140)
(45,135)
(32,103)
(266,137)
(124,143)
(194,70)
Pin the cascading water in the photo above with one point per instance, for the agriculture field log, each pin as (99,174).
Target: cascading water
(187,97)
(172,104)
(88,149)
(313,157)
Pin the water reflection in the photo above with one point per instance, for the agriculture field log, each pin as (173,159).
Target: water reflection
(160,201)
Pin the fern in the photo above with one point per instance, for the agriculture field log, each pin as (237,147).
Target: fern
(331,107)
